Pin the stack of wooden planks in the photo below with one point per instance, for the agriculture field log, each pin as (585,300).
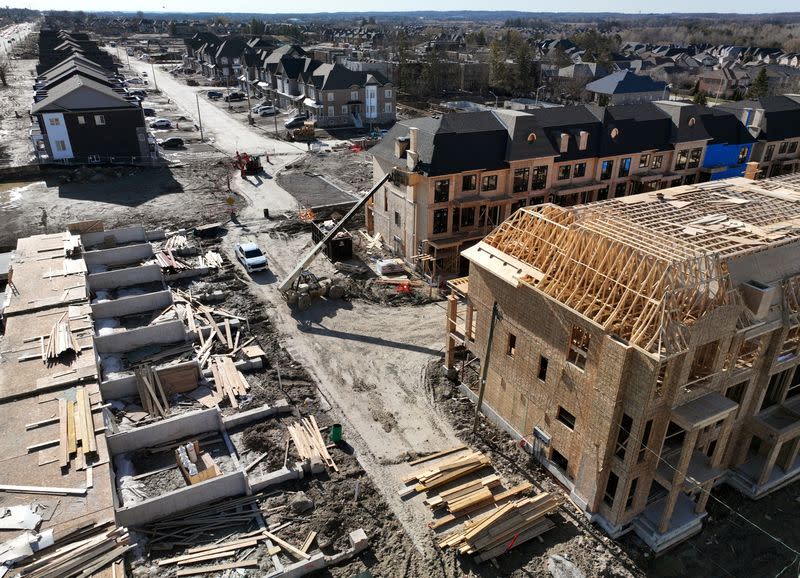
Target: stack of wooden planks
(228,380)
(446,471)
(309,443)
(500,530)
(166,260)
(76,427)
(60,340)
(151,393)
(211,259)
(83,555)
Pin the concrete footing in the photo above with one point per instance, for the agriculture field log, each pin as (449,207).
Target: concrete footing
(358,543)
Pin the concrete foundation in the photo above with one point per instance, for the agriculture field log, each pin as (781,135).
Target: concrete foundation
(224,486)
(161,334)
(166,430)
(132,305)
(257,414)
(118,236)
(124,277)
(358,543)
(118,256)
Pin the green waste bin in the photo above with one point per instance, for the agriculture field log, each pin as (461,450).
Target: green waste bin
(336,432)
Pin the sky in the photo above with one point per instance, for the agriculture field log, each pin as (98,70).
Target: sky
(311,6)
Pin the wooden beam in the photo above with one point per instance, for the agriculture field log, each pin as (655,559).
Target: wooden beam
(63,448)
(299,554)
(437,455)
(217,568)
(43,490)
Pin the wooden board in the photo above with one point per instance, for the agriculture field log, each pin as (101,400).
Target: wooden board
(63,441)
(217,568)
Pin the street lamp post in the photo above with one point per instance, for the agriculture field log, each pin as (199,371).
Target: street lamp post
(495,98)
(153,72)
(243,69)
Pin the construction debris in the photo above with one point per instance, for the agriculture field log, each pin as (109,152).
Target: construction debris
(153,398)
(447,471)
(309,443)
(60,340)
(497,532)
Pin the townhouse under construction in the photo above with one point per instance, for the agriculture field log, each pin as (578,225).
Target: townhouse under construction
(644,347)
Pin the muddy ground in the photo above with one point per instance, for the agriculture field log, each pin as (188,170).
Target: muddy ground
(728,545)
(349,171)
(15,102)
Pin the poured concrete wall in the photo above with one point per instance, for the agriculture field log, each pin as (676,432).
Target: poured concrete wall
(120,236)
(160,334)
(157,301)
(118,255)
(164,431)
(124,277)
(224,486)
(119,388)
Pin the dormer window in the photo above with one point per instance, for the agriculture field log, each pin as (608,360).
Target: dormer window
(564,146)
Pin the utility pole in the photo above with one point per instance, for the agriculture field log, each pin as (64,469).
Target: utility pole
(246,75)
(275,106)
(153,72)
(496,314)
(199,120)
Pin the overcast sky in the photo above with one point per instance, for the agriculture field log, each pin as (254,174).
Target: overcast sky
(630,6)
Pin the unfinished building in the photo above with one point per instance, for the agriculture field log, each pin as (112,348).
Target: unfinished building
(645,348)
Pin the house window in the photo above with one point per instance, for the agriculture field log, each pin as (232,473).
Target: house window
(61,145)
(648,426)
(99,120)
(387,93)
(469,182)
(511,347)
(387,108)
(602,194)
(517,205)
(623,435)
(542,368)
(354,95)
(468,217)
(694,158)
(55,121)
(619,190)
(774,389)
(330,97)
(489,183)
(564,172)
(782,147)
(606,169)
(521,177)
(769,152)
(682,159)
(794,385)
(385,201)
(689,179)
(456,218)
(644,160)
(81,120)
(578,347)
(344,109)
(631,494)
(397,218)
(439,221)
(539,180)
(482,216)
(566,418)
(658,161)
(736,392)
(743,152)
(624,167)
(792,147)
(611,489)
(559,460)
(441,191)
(332,110)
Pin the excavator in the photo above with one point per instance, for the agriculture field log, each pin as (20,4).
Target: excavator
(301,286)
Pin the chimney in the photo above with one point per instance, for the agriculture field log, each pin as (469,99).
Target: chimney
(401,146)
(412,156)
(564,142)
(751,171)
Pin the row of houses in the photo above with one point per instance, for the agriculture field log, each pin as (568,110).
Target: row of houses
(81,111)
(458,176)
(332,94)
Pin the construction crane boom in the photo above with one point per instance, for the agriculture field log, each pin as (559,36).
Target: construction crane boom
(287,283)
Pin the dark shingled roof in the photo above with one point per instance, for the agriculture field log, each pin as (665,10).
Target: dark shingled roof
(781,116)
(640,127)
(571,120)
(725,128)
(625,82)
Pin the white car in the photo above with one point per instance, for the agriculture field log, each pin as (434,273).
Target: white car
(251,257)
(161,123)
(267,111)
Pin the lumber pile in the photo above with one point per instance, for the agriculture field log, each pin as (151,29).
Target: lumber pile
(211,259)
(81,554)
(447,471)
(176,241)
(151,393)
(309,443)
(60,340)
(191,526)
(497,532)
(229,381)
(166,260)
(76,428)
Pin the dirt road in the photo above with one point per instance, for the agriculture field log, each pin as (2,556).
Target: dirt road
(368,361)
